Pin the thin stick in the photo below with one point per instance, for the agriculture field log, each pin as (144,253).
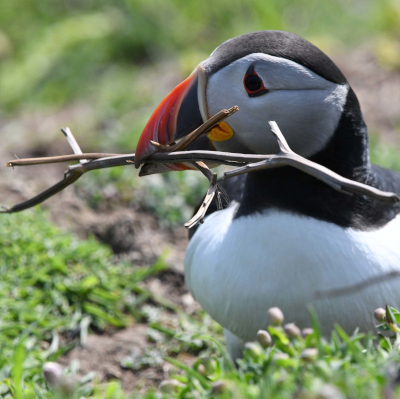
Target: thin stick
(204,128)
(58,159)
(331,178)
(286,157)
(214,189)
(71,140)
(212,177)
(69,179)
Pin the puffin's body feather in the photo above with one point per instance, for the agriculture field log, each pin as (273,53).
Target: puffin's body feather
(237,268)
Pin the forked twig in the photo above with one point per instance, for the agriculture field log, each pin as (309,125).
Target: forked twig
(214,189)
(204,128)
(287,157)
(170,154)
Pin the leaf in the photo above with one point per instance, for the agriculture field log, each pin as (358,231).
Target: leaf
(103,315)
(194,373)
(17,370)
(278,335)
(89,282)
(390,319)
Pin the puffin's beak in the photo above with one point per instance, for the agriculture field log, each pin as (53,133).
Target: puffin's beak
(181,112)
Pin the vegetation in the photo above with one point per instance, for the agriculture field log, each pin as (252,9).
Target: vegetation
(54,285)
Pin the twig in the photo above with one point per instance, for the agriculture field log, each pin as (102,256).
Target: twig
(255,162)
(72,142)
(286,157)
(58,159)
(204,128)
(188,139)
(214,189)
(69,179)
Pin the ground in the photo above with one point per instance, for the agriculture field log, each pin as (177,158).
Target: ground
(138,236)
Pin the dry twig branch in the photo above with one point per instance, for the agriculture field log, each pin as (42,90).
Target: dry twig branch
(204,128)
(59,159)
(286,157)
(72,142)
(214,190)
(170,154)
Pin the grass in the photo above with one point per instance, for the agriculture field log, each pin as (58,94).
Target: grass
(108,61)
(344,366)
(54,285)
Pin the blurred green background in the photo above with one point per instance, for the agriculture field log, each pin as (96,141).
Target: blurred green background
(109,62)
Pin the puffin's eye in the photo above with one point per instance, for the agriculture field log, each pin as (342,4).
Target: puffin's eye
(253,83)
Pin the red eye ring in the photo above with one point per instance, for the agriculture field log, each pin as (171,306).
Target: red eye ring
(253,84)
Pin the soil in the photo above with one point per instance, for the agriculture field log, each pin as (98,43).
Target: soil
(103,353)
(137,236)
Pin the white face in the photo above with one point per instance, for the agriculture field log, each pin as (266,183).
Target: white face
(306,107)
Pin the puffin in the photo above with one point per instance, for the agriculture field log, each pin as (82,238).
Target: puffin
(286,239)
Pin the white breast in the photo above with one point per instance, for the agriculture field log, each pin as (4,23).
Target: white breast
(237,269)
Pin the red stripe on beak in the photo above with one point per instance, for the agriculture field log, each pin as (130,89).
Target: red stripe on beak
(162,124)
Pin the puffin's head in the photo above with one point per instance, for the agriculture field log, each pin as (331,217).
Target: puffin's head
(270,75)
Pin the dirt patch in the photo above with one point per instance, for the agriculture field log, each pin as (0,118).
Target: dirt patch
(104,354)
(133,235)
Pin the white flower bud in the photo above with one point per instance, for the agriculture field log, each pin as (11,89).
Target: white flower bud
(292,330)
(309,354)
(52,373)
(280,356)
(201,369)
(275,316)
(380,314)
(264,338)
(305,332)
(55,378)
